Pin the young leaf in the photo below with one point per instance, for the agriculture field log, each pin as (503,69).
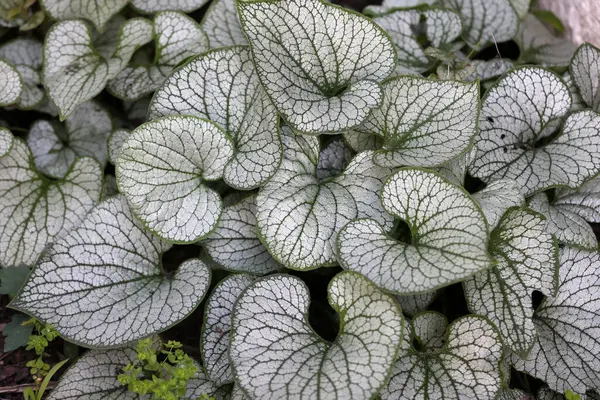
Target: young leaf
(25,55)
(75,72)
(442,26)
(424,122)
(177,37)
(234,244)
(516,138)
(490,69)
(585,70)
(92,10)
(37,211)
(497,197)
(6,141)
(214,343)
(584,201)
(55,148)
(463,365)
(162,169)
(94,377)
(102,285)
(449,236)
(319,63)
(276,354)
(300,215)
(115,142)
(527,261)
(568,227)
(538,45)
(222,86)
(566,354)
(486,21)
(222,25)
(11,84)
(152,6)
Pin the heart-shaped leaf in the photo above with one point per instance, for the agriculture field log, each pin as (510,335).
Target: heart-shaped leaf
(424,122)
(568,227)
(585,70)
(222,25)
(497,197)
(102,285)
(234,244)
(516,134)
(25,55)
(485,21)
(152,6)
(276,354)
(37,211)
(163,168)
(527,261)
(299,215)
(413,304)
(321,76)
(11,84)
(566,354)
(177,37)
(94,377)
(97,12)
(584,201)
(441,27)
(214,343)
(74,71)
(55,148)
(449,236)
(462,365)
(222,86)
(539,45)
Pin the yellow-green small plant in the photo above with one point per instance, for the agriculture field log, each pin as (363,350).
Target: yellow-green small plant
(570,395)
(161,370)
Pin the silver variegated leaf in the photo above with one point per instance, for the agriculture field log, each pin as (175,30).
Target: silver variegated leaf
(36,211)
(321,75)
(25,55)
(84,133)
(527,261)
(485,21)
(222,25)
(6,141)
(584,201)
(585,70)
(568,227)
(222,86)
(216,327)
(163,169)
(11,84)
(462,365)
(299,215)
(276,354)
(98,12)
(75,71)
(566,354)
(115,142)
(387,5)
(102,285)
(516,114)
(539,45)
(449,236)
(413,304)
(152,6)
(234,244)
(177,37)
(424,122)
(497,197)
(441,26)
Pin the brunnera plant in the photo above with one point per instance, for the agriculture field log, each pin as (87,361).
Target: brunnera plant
(361,205)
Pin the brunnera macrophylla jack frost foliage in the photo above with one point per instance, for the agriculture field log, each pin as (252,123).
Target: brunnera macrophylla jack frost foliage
(375,208)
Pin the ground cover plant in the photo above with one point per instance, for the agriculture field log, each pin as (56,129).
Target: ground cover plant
(293,199)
